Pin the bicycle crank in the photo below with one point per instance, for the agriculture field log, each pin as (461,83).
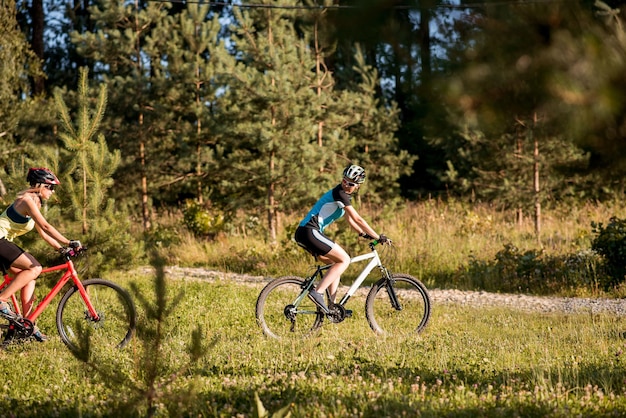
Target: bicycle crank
(336,314)
(19,328)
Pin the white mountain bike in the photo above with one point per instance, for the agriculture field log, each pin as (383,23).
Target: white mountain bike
(397,303)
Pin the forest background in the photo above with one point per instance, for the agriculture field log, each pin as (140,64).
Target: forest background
(229,119)
(492,133)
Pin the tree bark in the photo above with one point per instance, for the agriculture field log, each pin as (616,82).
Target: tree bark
(536,185)
(144,182)
(37,43)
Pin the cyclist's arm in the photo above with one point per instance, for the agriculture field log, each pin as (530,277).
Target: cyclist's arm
(46,237)
(47,231)
(358,223)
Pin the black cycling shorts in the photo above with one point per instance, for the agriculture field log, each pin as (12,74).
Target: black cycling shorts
(313,241)
(9,253)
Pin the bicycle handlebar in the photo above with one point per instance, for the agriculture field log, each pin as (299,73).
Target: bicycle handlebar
(69,252)
(374,243)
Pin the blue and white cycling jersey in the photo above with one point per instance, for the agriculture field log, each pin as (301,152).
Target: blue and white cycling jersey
(327,209)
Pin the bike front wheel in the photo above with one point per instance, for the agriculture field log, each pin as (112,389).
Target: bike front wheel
(400,306)
(116,320)
(281,313)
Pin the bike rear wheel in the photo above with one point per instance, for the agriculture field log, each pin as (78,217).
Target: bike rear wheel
(277,314)
(413,310)
(116,312)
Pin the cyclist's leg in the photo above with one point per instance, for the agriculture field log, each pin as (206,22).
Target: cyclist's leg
(341,260)
(27,295)
(27,292)
(29,270)
(327,251)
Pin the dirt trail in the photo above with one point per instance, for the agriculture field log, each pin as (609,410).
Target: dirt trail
(438,296)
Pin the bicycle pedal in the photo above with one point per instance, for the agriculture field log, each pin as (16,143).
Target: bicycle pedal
(348,313)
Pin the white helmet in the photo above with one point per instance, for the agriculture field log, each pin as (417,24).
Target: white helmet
(355,173)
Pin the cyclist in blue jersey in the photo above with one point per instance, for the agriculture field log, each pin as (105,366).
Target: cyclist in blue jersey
(310,233)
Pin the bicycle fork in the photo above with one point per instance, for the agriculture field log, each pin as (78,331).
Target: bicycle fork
(391,291)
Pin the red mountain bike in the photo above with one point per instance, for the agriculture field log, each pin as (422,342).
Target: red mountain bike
(96,307)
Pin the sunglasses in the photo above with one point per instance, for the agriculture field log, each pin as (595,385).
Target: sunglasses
(350,184)
(49,186)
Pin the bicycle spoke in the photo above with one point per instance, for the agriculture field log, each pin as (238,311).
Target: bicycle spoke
(115,322)
(408,316)
(277,315)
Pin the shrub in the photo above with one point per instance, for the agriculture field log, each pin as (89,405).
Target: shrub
(610,242)
(162,236)
(536,272)
(203,220)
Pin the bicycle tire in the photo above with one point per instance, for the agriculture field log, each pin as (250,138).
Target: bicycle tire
(114,306)
(413,296)
(277,316)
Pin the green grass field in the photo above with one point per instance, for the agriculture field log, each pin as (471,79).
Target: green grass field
(469,362)
(206,356)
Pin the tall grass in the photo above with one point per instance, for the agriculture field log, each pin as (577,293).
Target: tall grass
(444,244)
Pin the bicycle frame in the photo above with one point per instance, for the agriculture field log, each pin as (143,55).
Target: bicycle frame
(70,274)
(374,262)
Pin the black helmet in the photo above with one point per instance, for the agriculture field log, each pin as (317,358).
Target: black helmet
(41,176)
(355,173)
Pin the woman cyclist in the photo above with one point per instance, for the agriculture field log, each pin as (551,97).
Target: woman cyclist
(310,233)
(20,217)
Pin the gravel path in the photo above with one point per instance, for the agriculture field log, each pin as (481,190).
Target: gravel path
(438,296)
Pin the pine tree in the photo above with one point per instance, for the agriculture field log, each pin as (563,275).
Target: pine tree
(587,89)
(376,146)
(292,130)
(272,152)
(128,56)
(18,63)
(91,165)
(195,61)
(514,146)
(88,168)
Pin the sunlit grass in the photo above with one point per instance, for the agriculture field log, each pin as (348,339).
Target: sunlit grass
(469,361)
(434,241)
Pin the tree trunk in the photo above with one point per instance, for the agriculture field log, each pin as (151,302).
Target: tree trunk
(37,43)
(271,203)
(425,41)
(82,24)
(536,185)
(144,181)
(519,213)
(145,212)
(85,227)
(198,133)
(318,71)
